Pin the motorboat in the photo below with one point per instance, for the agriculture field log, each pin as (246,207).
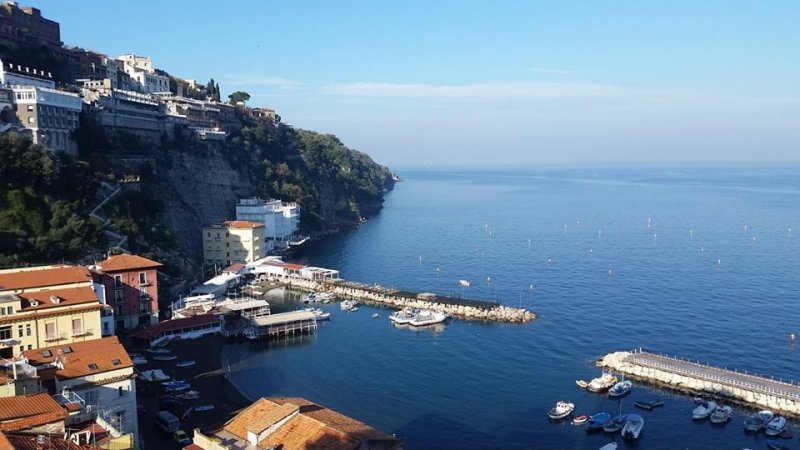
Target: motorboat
(776,426)
(648,404)
(188,363)
(182,386)
(158,350)
(463,283)
(580,419)
(402,317)
(165,357)
(581,383)
(169,384)
(325,297)
(704,410)
(602,383)
(758,420)
(633,426)
(776,446)
(721,414)
(154,375)
(319,314)
(204,408)
(615,424)
(609,446)
(188,395)
(348,305)
(427,317)
(137,360)
(597,421)
(376,315)
(620,389)
(561,410)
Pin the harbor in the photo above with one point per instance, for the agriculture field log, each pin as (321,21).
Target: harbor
(700,379)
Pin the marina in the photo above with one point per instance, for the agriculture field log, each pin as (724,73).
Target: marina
(279,325)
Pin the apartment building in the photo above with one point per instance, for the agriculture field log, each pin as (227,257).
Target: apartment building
(131,288)
(234,241)
(144,77)
(281,220)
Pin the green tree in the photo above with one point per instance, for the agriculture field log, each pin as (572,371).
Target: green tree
(239,97)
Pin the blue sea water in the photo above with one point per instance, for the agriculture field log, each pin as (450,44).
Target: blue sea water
(704,263)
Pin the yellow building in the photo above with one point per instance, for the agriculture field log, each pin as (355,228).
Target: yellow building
(46,306)
(234,241)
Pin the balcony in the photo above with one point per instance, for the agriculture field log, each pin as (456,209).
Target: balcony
(52,337)
(83,332)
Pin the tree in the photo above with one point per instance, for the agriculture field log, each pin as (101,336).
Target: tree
(238,97)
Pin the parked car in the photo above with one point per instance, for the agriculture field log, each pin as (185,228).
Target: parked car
(181,437)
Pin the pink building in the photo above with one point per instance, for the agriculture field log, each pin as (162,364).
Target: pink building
(131,285)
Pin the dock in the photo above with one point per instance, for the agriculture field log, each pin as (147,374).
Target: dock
(294,323)
(694,377)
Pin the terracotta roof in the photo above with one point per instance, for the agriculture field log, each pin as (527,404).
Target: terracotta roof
(38,277)
(29,411)
(234,268)
(123,262)
(176,324)
(24,441)
(243,224)
(66,297)
(83,358)
(39,314)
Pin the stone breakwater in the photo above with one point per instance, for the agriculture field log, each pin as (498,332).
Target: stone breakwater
(691,377)
(376,295)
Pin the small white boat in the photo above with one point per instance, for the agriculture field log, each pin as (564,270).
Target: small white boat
(704,410)
(776,426)
(185,363)
(188,395)
(375,315)
(561,410)
(581,383)
(154,375)
(204,408)
(633,427)
(139,360)
(426,317)
(323,296)
(158,350)
(403,316)
(319,314)
(758,420)
(721,414)
(620,389)
(602,383)
(609,446)
(463,283)
(348,305)
(165,357)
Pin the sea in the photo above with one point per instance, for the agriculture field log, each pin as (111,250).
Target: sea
(697,261)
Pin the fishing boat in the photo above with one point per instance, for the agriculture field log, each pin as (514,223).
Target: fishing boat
(722,414)
(648,404)
(463,283)
(165,357)
(561,410)
(157,350)
(402,317)
(609,446)
(319,314)
(427,317)
(633,427)
(204,408)
(758,420)
(348,305)
(620,389)
(704,410)
(188,363)
(615,424)
(602,383)
(580,419)
(776,426)
(776,446)
(581,383)
(597,421)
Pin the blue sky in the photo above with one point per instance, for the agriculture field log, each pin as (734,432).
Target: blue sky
(506,82)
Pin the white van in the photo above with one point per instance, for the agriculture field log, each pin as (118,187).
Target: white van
(167,421)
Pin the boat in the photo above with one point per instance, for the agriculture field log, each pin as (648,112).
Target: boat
(375,315)
(561,410)
(615,424)
(136,360)
(325,297)
(580,419)
(602,383)
(648,404)
(776,446)
(620,389)
(174,383)
(403,316)
(188,395)
(581,384)
(154,375)
(776,426)
(158,350)
(609,446)
(319,314)
(758,420)
(597,421)
(165,357)
(633,426)
(188,363)
(463,283)
(704,410)
(348,305)
(204,408)
(721,414)
(177,387)
(427,317)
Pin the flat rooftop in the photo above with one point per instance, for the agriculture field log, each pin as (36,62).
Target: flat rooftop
(275,319)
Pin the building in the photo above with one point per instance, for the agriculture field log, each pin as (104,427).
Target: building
(119,110)
(94,381)
(291,423)
(47,305)
(281,220)
(131,288)
(14,75)
(144,77)
(18,24)
(39,441)
(34,413)
(234,241)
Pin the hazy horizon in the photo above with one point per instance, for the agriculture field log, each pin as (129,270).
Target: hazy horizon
(412,83)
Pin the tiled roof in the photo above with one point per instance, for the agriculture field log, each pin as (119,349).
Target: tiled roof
(243,224)
(44,276)
(83,358)
(123,262)
(234,268)
(27,441)
(25,315)
(176,324)
(29,411)
(66,297)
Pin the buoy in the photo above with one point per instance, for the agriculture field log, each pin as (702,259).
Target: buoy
(488,279)
(791,337)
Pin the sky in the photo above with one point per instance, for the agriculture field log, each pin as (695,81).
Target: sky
(486,83)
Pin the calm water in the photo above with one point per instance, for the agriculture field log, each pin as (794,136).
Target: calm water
(704,264)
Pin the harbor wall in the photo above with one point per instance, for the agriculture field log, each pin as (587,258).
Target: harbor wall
(382,297)
(759,393)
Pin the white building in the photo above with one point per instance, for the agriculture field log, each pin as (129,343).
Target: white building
(16,75)
(281,220)
(144,77)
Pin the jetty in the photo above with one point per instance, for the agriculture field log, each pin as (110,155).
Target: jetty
(693,377)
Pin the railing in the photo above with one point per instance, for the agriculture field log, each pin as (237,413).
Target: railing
(67,397)
(83,332)
(55,337)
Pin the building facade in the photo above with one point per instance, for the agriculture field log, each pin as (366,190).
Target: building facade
(25,23)
(119,110)
(281,220)
(144,77)
(52,116)
(42,306)
(131,288)
(234,241)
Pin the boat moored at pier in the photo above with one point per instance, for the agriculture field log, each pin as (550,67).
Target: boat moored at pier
(562,410)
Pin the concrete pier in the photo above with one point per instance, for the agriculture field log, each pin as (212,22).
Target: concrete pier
(692,377)
(393,298)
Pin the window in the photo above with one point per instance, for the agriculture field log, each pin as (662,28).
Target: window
(30,346)
(19,329)
(21,348)
(118,297)
(66,350)
(30,108)
(77,327)
(10,310)
(5,333)
(46,353)
(116,362)
(50,330)
(28,330)
(30,119)
(142,278)
(143,292)
(92,366)
(2,311)
(121,391)
(90,397)
(117,281)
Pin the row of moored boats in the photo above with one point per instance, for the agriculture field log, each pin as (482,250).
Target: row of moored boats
(417,317)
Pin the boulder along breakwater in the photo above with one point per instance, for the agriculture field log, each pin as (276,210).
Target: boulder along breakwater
(693,377)
(460,308)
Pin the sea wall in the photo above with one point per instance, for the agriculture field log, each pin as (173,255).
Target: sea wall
(721,388)
(375,296)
